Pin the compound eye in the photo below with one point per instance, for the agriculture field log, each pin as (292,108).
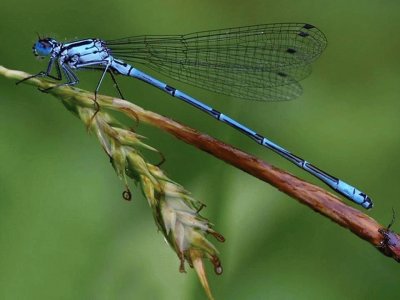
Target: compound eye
(42,48)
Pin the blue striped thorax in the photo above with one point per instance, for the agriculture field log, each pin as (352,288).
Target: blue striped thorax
(84,52)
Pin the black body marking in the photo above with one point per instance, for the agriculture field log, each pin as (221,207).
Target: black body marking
(129,72)
(215,113)
(171,90)
(259,138)
(77,44)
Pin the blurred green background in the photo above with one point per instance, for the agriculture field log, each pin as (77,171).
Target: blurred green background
(66,233)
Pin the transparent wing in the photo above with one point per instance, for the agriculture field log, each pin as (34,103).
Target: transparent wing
(260,62)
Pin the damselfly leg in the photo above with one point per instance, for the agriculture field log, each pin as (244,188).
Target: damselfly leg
(116,84)
(96,104)
(72,79)
(46,73)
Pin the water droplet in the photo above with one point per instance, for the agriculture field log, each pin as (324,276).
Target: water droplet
(218,270)
(217,265)
(127,195)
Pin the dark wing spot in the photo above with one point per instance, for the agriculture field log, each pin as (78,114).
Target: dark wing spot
(282,74)
(291,50)
(308,26)
(303,34)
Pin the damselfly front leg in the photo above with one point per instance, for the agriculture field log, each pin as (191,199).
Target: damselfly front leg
(72,79)
(47,72)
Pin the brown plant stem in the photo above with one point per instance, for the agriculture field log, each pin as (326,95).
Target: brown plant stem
(306,193)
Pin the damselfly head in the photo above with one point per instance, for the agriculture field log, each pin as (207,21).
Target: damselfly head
(44,46)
